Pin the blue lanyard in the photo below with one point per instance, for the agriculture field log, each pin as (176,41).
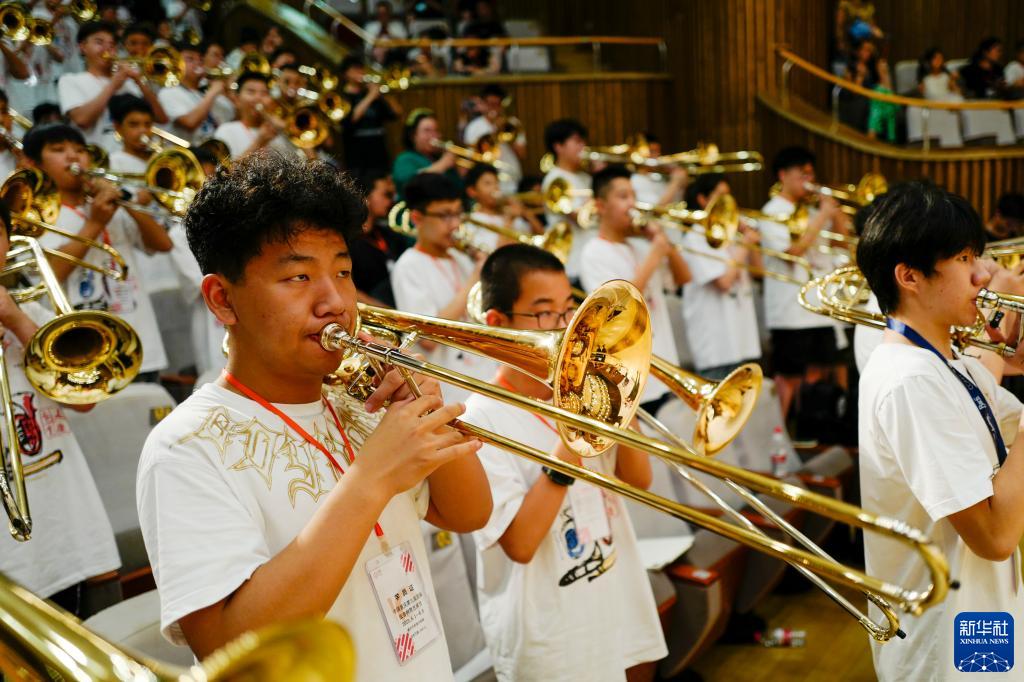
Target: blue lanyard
(977,397)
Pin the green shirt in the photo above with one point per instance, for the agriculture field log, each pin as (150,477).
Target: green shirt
(408,164)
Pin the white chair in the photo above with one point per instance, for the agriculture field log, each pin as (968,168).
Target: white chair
(905,76)
(981,123)
(111,436)
(1018,122)
(954,65)
(459,615)
(943,125)
(134,624)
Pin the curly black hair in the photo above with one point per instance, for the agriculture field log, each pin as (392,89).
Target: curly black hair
(264,198)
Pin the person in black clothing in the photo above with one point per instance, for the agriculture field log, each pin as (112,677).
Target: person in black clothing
(378,247)
(363,135)
(983,76)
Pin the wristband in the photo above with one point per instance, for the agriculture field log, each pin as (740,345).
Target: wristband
(558,478)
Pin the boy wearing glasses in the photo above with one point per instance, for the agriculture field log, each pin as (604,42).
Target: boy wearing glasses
(552,540)
(433,278)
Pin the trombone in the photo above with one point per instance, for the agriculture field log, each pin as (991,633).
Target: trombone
(704,159)
(842,293)
(596,368)
(469,156)
(34,203)
(852,197)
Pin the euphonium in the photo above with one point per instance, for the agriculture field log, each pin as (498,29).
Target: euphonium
(39,641)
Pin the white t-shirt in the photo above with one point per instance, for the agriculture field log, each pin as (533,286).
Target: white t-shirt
(224,486)
(721,326)
(155,269)
(207,331)
(239,137)
(580,237)
(423,284)
(480,126)
(559,617)
(71,535)
(75,89)
(179,101)
(925,453)
(488,240)
(866,339)
(609,260)
(782,307)
(650,188)
(939,87)
(8,163)
(1013,72)
(89,290)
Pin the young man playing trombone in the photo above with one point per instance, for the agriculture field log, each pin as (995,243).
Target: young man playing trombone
(563,593)
(939,438)
(261,501)
(90,209)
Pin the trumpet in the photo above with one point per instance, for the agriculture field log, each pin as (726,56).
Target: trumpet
(162,65)
(34,204)
(843,293)
(596,369)
(173,176)
(320,77)
(39,641)
(841,244)
(254,62)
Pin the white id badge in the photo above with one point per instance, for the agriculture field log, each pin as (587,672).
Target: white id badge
(589,512)
(124,295)
(403,601)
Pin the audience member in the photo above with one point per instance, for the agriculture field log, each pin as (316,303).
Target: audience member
(934,80)
(983,75)
(1008,220)
(1013,74)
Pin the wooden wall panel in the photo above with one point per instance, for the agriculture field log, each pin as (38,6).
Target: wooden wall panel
(608,106)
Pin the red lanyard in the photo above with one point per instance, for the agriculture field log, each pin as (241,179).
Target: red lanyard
(501,381)
(253,395)
(451,277)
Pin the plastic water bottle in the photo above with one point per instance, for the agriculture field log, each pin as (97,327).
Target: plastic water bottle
(781,637)
(779,453)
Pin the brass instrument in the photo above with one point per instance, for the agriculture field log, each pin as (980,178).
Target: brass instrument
(395,78)
(469,156)
(1007,252)
(796,222)
(304,126)
(39,641)
(172,176)
(201,5)
(98,156)
(842,293)
(34,204)
(559,196)
(162,65)
(556,240)
(320,77)
(700,161)
(82,10)
(852,197)
(598,349)
(331,103)
(17,24)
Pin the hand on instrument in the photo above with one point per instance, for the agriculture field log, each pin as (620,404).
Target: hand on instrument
(144,197)
(566,455)
(413,440)
(9,310)
(659,242)
(104,202)
(679,177)
(446,161)
(268,129)
(394,388)
(120,75)
(829,206)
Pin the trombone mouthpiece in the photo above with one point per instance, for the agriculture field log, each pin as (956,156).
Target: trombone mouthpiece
(333,336)
(75,169)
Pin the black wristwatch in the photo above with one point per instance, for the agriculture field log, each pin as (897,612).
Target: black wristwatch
(557,477)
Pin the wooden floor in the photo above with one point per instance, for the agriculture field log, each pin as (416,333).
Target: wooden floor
(836,648)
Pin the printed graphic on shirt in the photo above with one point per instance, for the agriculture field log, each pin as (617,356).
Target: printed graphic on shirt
(34,425)
(580,557)
(271,453)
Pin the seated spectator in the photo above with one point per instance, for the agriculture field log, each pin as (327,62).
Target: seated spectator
(385,26)
(1013,74)
(46,112)
(423,153)
(478,61)
(364,138)
(869,71)
(855,21)
(428,62)
(1008,220)
(934,80)
(983,76)
(374,254)
(247,44)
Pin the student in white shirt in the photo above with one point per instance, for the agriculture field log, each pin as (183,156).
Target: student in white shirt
(565,139)
(195,114)
(52,149)
(255,127)
(71,551)
(492,111)
(659,186)
(646,259)
(928,455)
(84,96)
(804,345)
(541,546)
(260,501)
(718,302)
(489,206)
(433,277)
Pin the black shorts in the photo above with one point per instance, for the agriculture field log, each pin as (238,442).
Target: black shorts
(794,350)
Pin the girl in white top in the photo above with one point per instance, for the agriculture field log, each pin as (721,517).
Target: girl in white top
(550,541)
(940,444)
(84,96)
(433,278)
(52,149)
(261,500)
(616,254)
(566,140)
(935,80)
(71,538)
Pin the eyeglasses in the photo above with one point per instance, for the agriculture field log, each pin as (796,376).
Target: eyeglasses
(445,217)
(549,319)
